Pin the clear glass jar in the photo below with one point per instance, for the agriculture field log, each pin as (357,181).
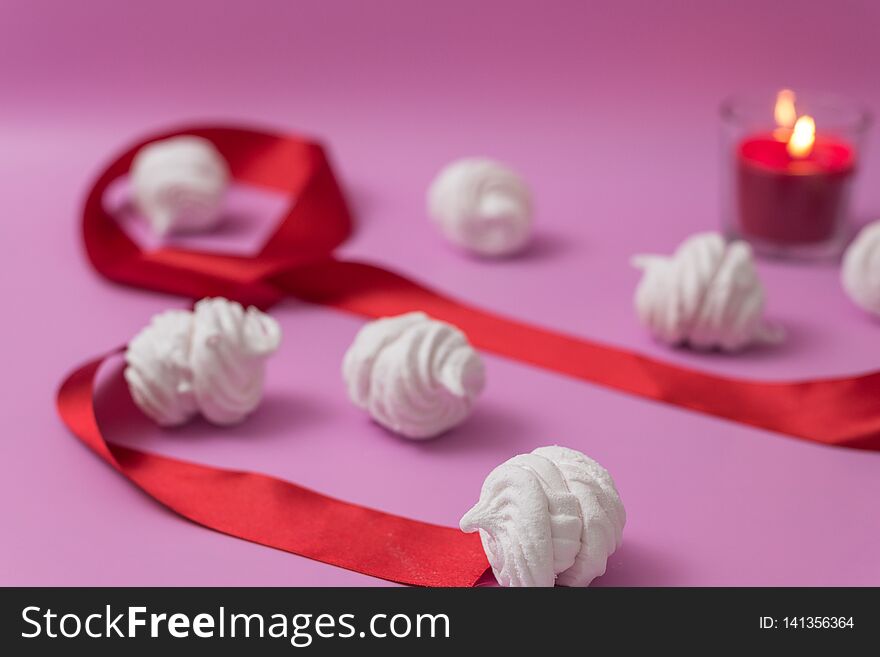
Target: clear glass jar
(787,181)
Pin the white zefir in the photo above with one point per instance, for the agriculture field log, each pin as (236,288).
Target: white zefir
(179,184)
(210,361)
(414,375)
(550,517)
(706,295)
(860,271)
(482,206)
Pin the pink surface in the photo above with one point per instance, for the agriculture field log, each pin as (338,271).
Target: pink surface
(609,110)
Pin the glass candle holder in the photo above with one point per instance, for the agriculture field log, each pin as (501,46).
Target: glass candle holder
(790,163)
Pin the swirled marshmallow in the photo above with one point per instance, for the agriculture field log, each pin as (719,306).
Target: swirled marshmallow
(707,295)
(209,361)
(860,271)
(414,375)
(157,368)
(549,517)
(482,206)
(179,184)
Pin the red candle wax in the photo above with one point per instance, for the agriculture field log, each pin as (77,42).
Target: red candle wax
(792,200)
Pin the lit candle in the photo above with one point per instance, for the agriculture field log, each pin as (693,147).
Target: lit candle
(792,184)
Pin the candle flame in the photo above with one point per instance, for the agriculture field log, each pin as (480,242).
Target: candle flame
(785,112)
(803,136)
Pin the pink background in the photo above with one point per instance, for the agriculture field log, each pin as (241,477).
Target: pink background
(608,109)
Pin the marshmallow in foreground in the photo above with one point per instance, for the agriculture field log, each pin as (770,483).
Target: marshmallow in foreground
(860,271)
(549,517)
(209,361)
(482,206)
(414,375)
(707,295)
(179,184)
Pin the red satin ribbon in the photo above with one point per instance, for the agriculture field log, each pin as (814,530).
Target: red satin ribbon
(280,514)
(298,260)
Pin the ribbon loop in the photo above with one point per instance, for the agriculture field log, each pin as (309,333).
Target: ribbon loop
(280,514)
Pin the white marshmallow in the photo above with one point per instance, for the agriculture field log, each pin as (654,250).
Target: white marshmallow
(860,271)
(157,368)
(549,517)
(482,206)
(414,375)
(179,184)
(707,295)
(211,361)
